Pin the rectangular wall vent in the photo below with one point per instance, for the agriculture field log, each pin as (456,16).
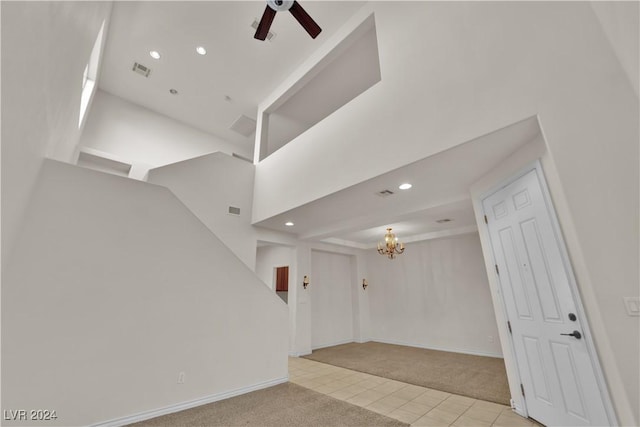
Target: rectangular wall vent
(244,125)
(234,210)
(141,69)
(384,193)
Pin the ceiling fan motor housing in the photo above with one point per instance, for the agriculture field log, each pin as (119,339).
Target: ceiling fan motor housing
(275,6)
(280,5)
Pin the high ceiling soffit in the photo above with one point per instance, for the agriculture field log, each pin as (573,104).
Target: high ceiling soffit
(234,76)
(238,73)
(441,184)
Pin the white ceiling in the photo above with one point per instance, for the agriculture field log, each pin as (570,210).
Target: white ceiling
(236,64)
(423,222)
(441,183)
(247,71)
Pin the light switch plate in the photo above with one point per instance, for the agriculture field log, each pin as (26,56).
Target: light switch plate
(633,305)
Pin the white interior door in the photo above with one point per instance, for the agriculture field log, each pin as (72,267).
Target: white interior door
(557,371)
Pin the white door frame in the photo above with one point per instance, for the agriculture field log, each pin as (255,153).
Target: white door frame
(513,375)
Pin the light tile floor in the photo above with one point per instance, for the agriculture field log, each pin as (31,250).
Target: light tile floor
(418,406)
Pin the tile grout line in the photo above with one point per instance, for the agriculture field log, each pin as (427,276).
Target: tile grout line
(342,373)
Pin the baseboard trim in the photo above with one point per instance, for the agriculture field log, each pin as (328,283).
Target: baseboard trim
(452,350)
(142,416)
(332,344)
(408,344)
(299,353)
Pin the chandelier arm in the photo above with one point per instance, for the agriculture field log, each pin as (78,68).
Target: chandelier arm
(390,246)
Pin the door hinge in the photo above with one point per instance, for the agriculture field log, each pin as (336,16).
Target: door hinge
(509,326)
(522,389)
(497,271)
(486,221)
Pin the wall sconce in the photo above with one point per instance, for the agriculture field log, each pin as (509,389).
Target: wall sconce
(305,282)
(365,284)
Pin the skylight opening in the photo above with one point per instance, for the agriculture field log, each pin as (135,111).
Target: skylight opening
(90,75)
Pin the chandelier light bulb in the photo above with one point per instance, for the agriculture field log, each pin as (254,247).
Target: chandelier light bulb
(390,246)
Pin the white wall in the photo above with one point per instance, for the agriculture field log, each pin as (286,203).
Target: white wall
(619,21)
(435,295)
(282,129)
(478,67)
(330,293)
(270,257)
(208,185)
(45,48)
(300,300)
(338,82)
(138,136)
(115,288)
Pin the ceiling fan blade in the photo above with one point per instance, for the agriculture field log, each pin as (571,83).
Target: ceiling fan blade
(305,20)
(265,23)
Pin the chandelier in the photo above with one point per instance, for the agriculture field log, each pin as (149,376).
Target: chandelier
(390,246)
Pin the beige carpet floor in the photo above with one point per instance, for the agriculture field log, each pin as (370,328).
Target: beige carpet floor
(282,405)
(478,377)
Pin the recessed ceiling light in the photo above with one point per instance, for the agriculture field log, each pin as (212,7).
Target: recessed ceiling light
(201,50)
(155,54)
(173,91)
(405,186)
(289,224)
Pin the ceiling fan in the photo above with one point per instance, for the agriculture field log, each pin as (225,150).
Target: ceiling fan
(296,10)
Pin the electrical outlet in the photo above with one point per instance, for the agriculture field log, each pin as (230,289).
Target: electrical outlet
(181,378)
(490,338)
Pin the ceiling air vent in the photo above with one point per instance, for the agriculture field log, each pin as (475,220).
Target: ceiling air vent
(234,210)
(384,193)
(244,125)
(254,25)
(141,69)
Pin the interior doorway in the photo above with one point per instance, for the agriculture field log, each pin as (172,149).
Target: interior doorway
(551,347)
(281,280)
(331,299)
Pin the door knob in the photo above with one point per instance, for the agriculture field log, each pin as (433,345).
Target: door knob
(577,335)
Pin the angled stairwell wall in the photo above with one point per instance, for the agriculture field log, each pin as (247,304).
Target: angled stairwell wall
(115,289)
(208,185)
